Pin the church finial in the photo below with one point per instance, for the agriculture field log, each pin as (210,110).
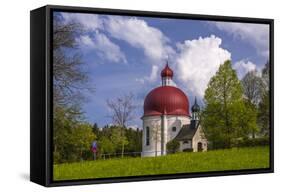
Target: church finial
(167,60)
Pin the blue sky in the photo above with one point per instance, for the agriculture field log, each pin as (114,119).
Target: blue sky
(126,55)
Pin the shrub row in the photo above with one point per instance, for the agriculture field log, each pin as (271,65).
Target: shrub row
(246,142)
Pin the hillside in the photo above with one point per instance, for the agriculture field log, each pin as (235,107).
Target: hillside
(217,160)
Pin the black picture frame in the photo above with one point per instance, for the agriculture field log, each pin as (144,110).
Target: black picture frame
(41,157)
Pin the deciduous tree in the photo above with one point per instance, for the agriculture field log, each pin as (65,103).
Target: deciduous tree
(122,112)
(224,108)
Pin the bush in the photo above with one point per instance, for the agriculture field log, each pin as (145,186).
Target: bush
(173,146)
(188,150)
(246,142)
(56,157)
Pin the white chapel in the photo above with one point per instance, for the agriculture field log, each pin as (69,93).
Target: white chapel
(166,117)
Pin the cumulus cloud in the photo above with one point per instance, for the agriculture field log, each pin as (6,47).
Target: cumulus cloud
(98,41)
(104,47)
(198,60)
(134,31)
(89,21)
(243,66)
(137,33)
(256,34)
(195,61)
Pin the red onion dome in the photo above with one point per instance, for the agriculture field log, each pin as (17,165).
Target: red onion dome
(167,71)
(166,100)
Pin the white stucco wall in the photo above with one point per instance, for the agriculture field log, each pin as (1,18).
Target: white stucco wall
(149,150)
(169,134)
(178,122)
(187,145)
(199,137)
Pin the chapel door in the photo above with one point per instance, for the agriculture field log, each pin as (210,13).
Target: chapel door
(199,147)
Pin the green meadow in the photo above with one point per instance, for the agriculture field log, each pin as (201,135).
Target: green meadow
(186,162)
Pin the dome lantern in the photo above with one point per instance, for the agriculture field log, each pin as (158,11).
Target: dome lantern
(167,75)
(195,110)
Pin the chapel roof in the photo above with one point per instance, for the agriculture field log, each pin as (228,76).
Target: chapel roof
(187,131)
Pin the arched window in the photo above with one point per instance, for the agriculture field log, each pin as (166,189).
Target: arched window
(147,136)
(174,129)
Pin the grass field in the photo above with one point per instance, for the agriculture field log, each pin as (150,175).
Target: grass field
(217,160)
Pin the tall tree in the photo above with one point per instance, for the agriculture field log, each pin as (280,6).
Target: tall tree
(265,76)
(122,112)
(224,104)
(69,78)
(71,134)
(252,87)
(264,115)
(264,105)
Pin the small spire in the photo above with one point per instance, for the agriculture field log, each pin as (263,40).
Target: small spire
(167,60)
(195,107)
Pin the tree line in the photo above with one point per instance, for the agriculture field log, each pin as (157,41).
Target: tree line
(73,140)
(118,141)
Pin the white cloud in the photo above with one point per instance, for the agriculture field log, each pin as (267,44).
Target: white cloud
(195,61)
(243,66)
(99,41)
(256,34)
(89,21)
(136,32)
(106,48)
(152,77)
(154,73)
(139,34)
(198,60)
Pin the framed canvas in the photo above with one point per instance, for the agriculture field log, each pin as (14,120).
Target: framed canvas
(126,95)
